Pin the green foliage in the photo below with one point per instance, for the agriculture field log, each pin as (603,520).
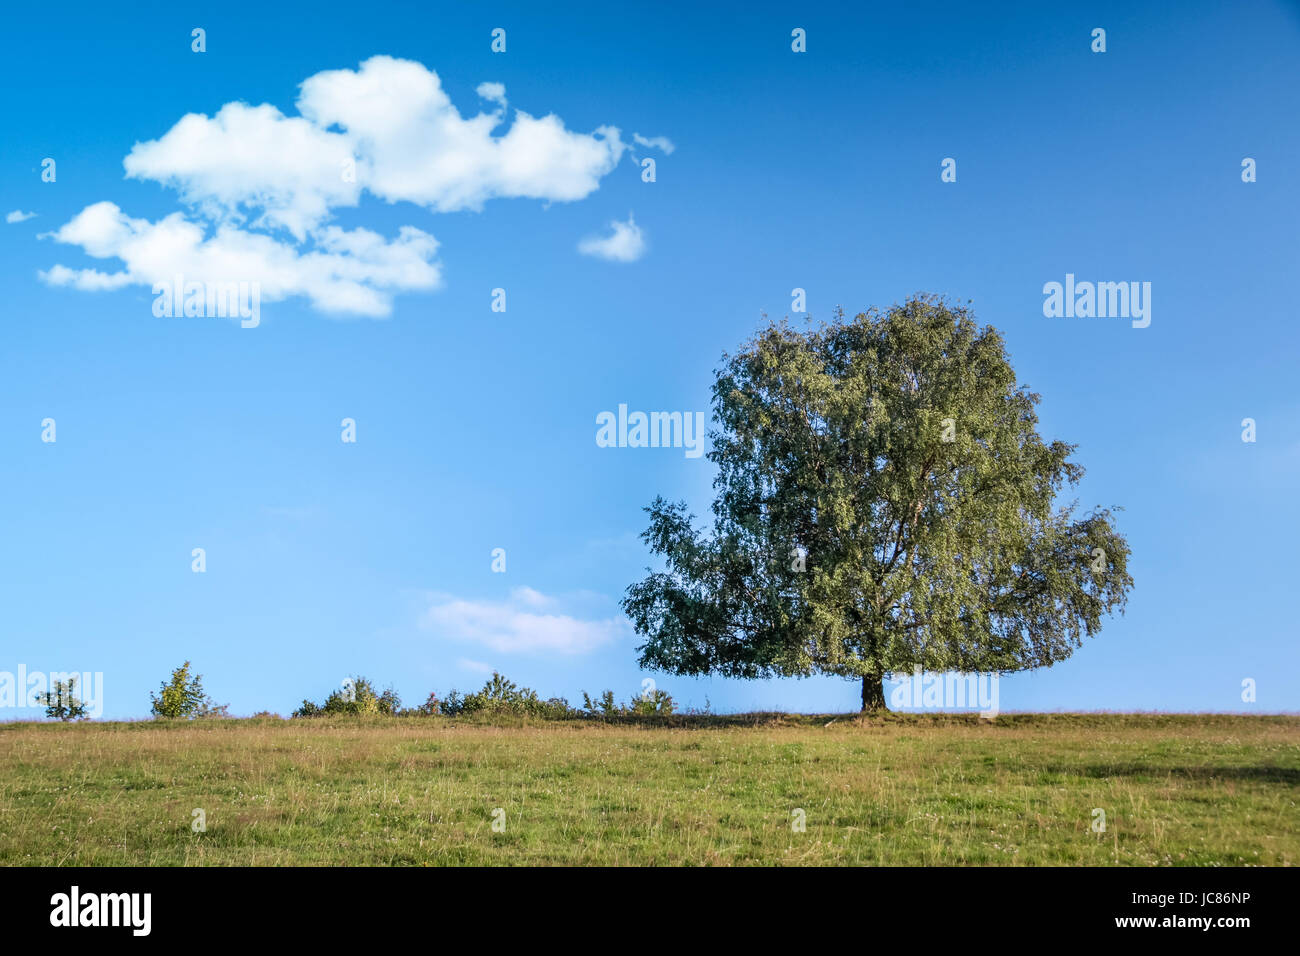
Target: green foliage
(883,500)
(357,697)
(430,708)
(705,711)
(208,708)
(657,703)
(61,701)
(183,697)
(603,706)
(502,696)
(499,697)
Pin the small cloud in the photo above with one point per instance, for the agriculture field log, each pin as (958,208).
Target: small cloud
(87,280)
(19,216)
(493,92)
(531,598)
(526,622)
(477,667)
(655,142)
(625,243)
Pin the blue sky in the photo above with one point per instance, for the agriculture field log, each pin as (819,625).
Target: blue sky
(476,429)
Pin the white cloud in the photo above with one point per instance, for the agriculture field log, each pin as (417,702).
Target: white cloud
(19,216)
(355,271)
(493,92)
(387,128)
(415,145)
(655,142)
(477,667)
(251,158)
(625,242)
(407,140)
(531,598)
(527,621)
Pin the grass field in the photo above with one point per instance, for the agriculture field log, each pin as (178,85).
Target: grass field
(1176,790)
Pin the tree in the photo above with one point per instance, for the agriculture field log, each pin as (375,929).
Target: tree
(884,501)
(61,701)
(183,697)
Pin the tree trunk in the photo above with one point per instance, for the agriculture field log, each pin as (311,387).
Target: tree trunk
(873,693)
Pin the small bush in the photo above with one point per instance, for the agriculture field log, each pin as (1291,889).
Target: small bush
(657,704)
(705,711)
(182,697)
(502,696)
(359,698)
(428,709)
(62,703)
(207,709)
(604,706)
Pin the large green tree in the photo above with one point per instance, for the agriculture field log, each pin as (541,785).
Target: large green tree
(883,501)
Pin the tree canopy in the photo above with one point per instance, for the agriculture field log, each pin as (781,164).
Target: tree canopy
(883,501)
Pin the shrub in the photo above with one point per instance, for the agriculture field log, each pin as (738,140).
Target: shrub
(557,708)
(704,711)
(603,706)
(502,696)
(209,709)
(657,704)
(453,705)
(182,697)
(428,709)
(61,701)
(358,697)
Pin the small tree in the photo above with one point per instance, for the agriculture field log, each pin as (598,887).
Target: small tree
(359,697)
(429,708)
(62,702)
(500,696)
(183,697)
(658,703)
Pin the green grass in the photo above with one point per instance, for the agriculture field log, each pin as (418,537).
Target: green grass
(1180,790)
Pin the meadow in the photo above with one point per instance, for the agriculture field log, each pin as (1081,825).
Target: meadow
(720,790)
